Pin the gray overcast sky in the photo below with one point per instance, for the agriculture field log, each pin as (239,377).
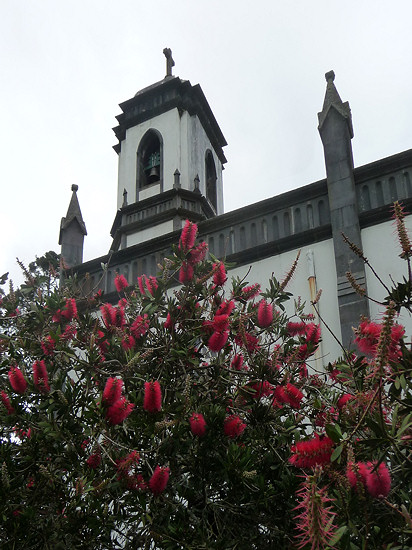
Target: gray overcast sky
(66,65)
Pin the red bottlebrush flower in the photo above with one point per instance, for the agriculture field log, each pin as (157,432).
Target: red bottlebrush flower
(219,276)
(342,401)
(102,344)
(69,333)
(294,395)
(265,314)
(152,401)
(152,284)
(367,336)
(251,342)
(226,307)
(107,311)
(168,324)
(296,329)
(112,391)
(233,426)
(70,310)
(140,326)
(378,480)
(217,341)
(357,473)
(237,362)
(120,282)
(128,342)
(315,519)
(197,424)
(280,394)
(94,460)
(48,345)
(147,284)
(188,236)
(118,317)
(126,463)
(126,471)
(249,292)
(261,389)
(198,254)
(159,479)
(186,273)
(17,380)
(112,316)
(220,323)
(312,333)
(6,402)
(119,411)
(40,377)
(312,452)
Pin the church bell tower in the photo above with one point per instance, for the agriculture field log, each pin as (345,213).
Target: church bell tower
(171,159)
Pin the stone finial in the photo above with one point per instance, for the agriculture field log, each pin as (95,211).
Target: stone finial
(196,182)
(124,197)
(176,175)
(169,61)
(333,100)
(75,187)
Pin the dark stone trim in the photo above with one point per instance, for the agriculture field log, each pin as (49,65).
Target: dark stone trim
(268,206)
(157,219)
(274,248)
(205,210)
(384,166)
(382,214)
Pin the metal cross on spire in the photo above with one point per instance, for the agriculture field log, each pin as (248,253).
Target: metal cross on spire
(169,61)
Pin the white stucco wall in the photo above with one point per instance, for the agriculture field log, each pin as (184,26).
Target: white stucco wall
(185,143)
(381,247)
(149,233)
(326,280)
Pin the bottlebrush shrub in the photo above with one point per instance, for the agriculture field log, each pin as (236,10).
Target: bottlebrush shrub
(120,456)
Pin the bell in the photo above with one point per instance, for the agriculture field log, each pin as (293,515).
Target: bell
(154,174)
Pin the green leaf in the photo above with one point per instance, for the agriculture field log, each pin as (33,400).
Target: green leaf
(338,535)
(336,453)
(334,432)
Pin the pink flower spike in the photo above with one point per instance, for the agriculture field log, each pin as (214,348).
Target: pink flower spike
(119,411)
(152,401)
(186,273)
(120,282)
(6,402)
(159,479)
(94,460)
(40,377)
(112,391)
(188,236)
(70,310)
(217,341)
(233,426)
(17,380)
(378,480)
(198,424)
(265,314)
(219,276)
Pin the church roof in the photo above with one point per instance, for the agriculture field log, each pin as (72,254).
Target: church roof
(73,213)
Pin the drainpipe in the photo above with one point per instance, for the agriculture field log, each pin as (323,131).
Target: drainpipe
(310,264)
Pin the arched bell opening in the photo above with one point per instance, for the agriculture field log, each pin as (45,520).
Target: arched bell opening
(211,179)
(150,160)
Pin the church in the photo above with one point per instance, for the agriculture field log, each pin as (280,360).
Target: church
(170,162)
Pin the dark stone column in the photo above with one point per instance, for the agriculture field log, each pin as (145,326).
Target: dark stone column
(335,128)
